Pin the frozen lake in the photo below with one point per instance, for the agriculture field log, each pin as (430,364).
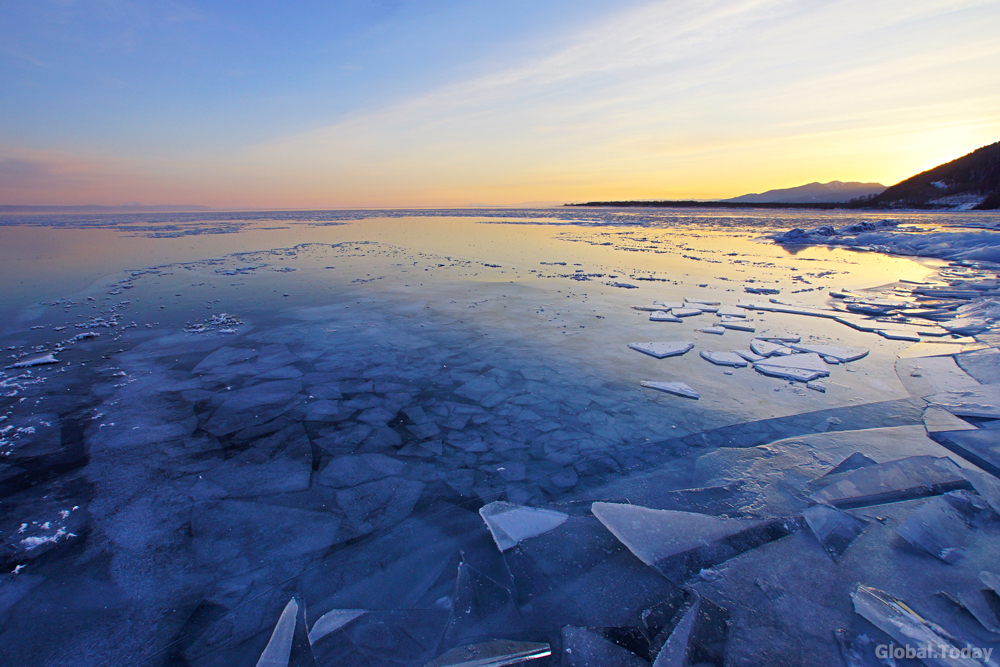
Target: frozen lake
(605,437)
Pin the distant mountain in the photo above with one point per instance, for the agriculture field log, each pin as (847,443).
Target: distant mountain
(835,192)
(94,208)
(970,182)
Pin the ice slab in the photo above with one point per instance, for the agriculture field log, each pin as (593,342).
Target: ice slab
(906,626)
(838,352)
(980,446)
(723,358)
(678,544)
(984,365)
(703,302)
(332,620)
(686,312)
(686,629)
(509,524)
(835,529)
(289,645)
(663,316)
(816,386)
(990,579)
(712,330)
(749,356)
(736,325)
(731,311)
(912,477)
(985,485)
(938,419)
(661,350)
(984,605)
(31,362)
(852,462)
(938,526)
(766,348)
(796,374)
(492,654)
(981,402)
(669,305)
(583,647)
(898,334)
(805,362)
(777,336)
(677,648)
(676,388)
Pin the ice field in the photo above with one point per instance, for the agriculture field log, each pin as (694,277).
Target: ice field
(549,437)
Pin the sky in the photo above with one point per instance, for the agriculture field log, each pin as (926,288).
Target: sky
(389,103)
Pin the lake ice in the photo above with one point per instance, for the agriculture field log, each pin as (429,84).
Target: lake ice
(432,438)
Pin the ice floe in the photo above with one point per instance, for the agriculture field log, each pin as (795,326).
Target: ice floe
(676,388)
(509,524)
(724,358)
(664,349)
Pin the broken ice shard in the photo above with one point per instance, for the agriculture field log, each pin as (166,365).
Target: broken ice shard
(492,654)
(677,647)
(687,629)
(852,462)
(289,645)
(983,605)
(509,523)
(749,356)
(766,348)
(35,361)
(983,402)
(937,420)
(737,325)
(332,620)
(980,446)
(939,526)
(414,636)
(668,305)
(984,365)
(685,312)
(838,352)
(899,621)
(858,650)
(903,479)
(834,528)
(796,374)
(805,362)
(676,388)
(662,349)
(731,311)
(780,337)
(663,316)
(985,485)
(679,544)
(712,330)
(723,358)
(583,647)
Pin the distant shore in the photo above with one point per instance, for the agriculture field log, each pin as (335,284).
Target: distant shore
(821,206)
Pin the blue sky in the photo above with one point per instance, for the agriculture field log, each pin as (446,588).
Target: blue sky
(445,103)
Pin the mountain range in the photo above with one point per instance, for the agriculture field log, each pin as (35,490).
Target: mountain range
(836,192)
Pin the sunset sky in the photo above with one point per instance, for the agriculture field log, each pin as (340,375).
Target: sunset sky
(455,102)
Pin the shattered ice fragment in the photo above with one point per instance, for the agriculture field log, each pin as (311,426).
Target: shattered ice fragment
(990,579)
(583,647)
(712,330)
(983,402)
(898,334)
(663,316)
(702,302)
(912,477)
(737,325)
(939,526)
(686,312)
(852,462)
(985,485)
(816,386)
(805,362)
(662,349)
(766,348)
(679,544)
(35,361)
(939,420)
(509,524)
(899,621)
(749,356)
(835,529)
(838,352)
(731,311)
(723,358)
(796,374)
(332,620)
(677,388)
(289,645)
(677,648)
(983,605)
(668,305)
(492,654)
(779,337)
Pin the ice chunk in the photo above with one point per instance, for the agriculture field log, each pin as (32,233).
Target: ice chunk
(712,330)
(797,374)
(35,361)
(990,579)
(984,365)
(834,528)
(899,621)
(981,402)
(984,605)
(677,388)
(731,311)
(679,544)
(852,462)
(492,654)
(662,349)
(687,629)
(668,305)
(980,446)
(737,325)
(838,352)
(685,312)
(332,620)
(509,523)
(724,358)
(912,477)
(985,485)
(766,348)
(289,645)
(937,420)
(939,526)
(703,302)
(583,647)
(816,386)
(749,356)
(677,647)
(898,334)
(663,316)
(805,362)
(779,337)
